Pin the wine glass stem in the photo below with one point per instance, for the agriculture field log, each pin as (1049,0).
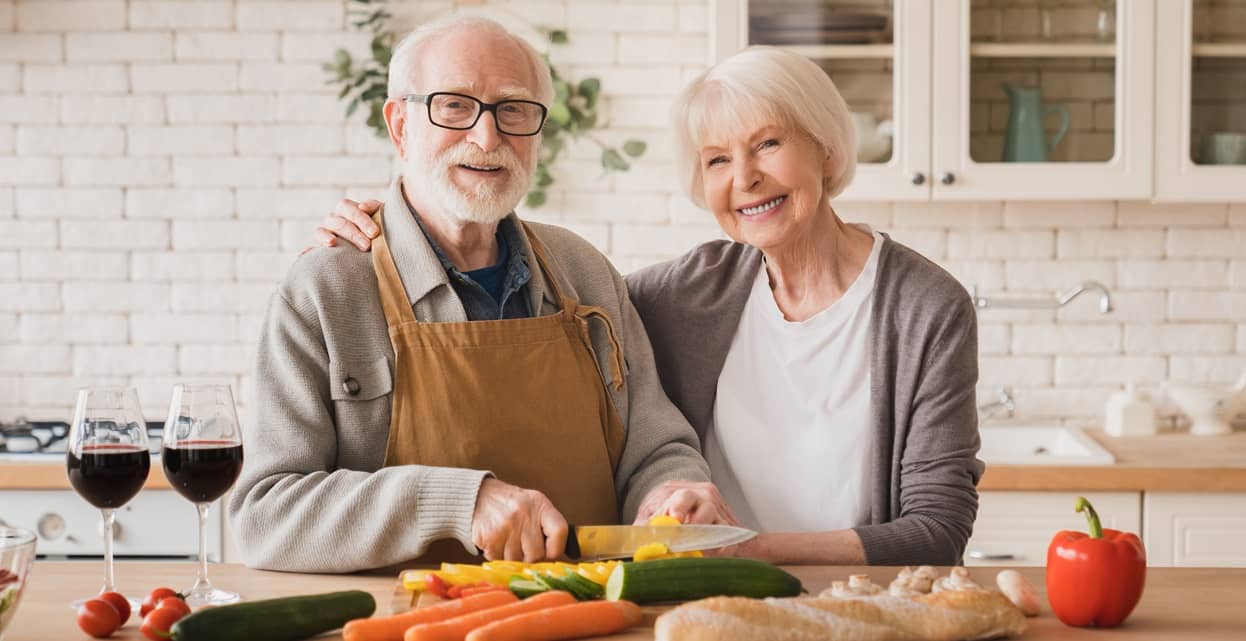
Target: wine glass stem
(110,516)
(202,579)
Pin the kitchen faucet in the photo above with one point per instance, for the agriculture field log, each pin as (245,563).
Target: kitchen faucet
(1003,404)
(1105,299)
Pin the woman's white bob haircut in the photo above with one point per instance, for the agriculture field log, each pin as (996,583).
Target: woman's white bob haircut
(403,65)
(757,87)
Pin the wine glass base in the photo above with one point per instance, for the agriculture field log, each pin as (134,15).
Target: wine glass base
(209,595)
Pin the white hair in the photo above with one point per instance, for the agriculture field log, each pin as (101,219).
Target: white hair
(403,65)
(756,87)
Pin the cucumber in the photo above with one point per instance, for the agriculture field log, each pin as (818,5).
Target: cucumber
(552,582)
(284,619)
(582,587)
(524,588)
(692,578)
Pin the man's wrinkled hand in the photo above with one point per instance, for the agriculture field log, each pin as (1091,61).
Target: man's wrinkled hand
(688,501)
(515,524)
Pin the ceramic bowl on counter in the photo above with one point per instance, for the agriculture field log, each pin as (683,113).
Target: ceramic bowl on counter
(17,553)
(1211,409)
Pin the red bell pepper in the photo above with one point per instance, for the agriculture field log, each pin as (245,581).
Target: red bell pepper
(1094,579)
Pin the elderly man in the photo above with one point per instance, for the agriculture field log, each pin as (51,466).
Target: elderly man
(476,381)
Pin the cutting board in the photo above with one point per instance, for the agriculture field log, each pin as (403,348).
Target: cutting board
(405,600)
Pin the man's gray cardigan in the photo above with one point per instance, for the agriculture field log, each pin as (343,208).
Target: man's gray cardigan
(923,369)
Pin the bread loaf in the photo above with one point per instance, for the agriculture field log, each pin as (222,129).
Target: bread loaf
(950,615)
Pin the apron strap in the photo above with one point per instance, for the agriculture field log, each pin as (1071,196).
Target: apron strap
(393,295)
(584,312)
(581,312)
(542,259)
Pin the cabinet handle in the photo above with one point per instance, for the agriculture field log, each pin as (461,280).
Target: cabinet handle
(978,555)
(948,178)
(919,178)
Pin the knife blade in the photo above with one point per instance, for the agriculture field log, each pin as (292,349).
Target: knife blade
(595,542)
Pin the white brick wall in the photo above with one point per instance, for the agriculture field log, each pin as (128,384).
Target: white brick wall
(161,162)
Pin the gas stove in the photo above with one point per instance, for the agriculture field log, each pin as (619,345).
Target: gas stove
(21,438)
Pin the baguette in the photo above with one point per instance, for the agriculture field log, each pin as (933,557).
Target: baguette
(950,615)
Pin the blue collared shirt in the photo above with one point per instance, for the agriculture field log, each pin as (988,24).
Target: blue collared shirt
(478,302)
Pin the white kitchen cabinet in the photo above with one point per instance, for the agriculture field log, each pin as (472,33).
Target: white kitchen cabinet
(1193,529)
(938,75)
(155,523)
(1015,528)
(1200,82)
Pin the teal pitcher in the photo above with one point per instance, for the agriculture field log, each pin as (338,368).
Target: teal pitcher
(1025,140)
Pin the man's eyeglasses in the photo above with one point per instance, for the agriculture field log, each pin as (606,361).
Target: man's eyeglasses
(457,111)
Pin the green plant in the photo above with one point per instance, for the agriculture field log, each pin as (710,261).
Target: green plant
(573,114)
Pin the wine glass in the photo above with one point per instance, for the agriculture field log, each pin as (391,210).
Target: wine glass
(202,457)
(107,457)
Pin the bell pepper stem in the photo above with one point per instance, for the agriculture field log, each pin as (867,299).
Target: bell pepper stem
(1092,517)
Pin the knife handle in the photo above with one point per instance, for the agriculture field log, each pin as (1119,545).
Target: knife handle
(572,548)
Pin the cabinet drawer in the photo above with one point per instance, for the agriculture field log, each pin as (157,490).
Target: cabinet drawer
(1205,530)
(1015,528)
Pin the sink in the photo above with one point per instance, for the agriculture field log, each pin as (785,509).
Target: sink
(1024,444)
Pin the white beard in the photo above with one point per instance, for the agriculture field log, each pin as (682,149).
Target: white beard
(483,204)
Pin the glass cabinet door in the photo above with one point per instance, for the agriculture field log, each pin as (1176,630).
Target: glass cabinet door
(1201,101)
(877,52)
(1042,99)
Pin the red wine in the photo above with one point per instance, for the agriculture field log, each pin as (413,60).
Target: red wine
(202,470)
(108,476)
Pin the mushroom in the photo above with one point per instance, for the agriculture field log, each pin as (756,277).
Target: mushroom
(1019,591)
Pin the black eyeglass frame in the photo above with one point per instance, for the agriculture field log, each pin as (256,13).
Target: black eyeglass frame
(491,107)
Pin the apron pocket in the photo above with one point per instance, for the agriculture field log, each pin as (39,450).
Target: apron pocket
(360,380)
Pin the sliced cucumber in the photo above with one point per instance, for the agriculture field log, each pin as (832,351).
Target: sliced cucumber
(524,588)
(582,587)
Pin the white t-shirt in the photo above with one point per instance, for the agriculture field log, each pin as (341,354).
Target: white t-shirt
(790,442)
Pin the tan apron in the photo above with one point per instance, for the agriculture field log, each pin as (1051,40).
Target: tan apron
(520,397)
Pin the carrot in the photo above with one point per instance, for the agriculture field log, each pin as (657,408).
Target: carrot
(586,619)
(391,628)
(481,589)
(458,627)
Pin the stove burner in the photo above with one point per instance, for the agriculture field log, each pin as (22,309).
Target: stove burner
(32,437)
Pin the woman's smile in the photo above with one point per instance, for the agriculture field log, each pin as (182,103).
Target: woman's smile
(758,211)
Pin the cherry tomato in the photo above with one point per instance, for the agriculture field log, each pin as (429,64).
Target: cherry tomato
(157,623)
(98,618)
(174,603)
(119,603)
(152,600)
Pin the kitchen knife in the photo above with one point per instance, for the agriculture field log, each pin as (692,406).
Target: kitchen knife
(594,542)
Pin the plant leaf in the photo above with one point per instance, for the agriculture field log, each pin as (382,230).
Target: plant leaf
(558,37)
(590,88)
(535,198)
(562,90)
(559,113)
(634,148)
(612,160)
(350,109)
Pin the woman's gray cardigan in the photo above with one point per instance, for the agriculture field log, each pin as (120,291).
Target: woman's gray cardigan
(923,369)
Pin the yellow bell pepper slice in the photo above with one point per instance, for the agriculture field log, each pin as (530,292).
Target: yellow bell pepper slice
(650,551)
(413,580)
(664,519)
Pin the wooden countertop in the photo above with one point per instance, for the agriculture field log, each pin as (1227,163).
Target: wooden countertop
(1172,462)
(1179,603)
(1169,462)
(48,473)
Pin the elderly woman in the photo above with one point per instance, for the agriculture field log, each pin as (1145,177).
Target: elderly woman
(828,369)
